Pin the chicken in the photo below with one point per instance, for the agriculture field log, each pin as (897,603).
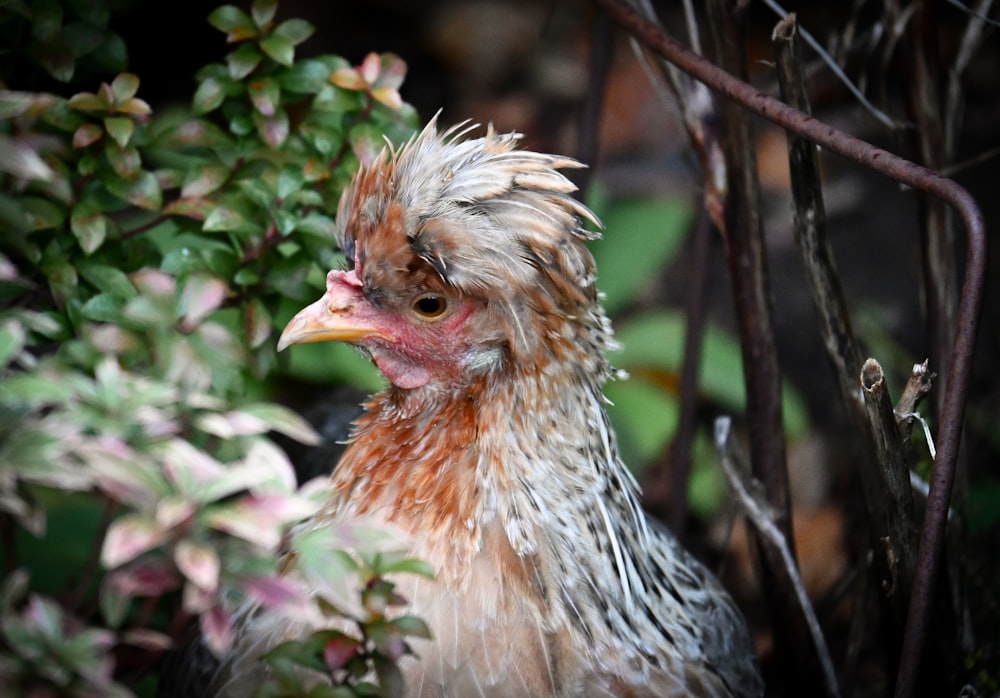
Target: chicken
(470,286)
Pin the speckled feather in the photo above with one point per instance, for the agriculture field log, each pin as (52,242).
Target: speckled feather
(550,579)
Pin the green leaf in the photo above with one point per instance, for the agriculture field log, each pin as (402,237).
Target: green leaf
(107,279)
(12,339)
(242,61)
(306,76)
(644,417)
(279,49)
(144,192)
(126,162)
(88,101)
(42,214)
(642,236)
(289,181)
(47,20)
(233,21)
(295,30)
(263,11)
(209,95)
(104,307)
(124,87)
(120,128)
(90,228)
(223,218)
(408,565)
(412,626)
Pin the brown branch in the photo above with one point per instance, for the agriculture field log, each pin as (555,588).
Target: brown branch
(747,259)
(950,432)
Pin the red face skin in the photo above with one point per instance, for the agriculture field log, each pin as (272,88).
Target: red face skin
(412,348)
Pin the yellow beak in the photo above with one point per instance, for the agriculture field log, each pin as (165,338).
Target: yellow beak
(324,321)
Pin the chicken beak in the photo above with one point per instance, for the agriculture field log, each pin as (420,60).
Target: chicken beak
(321,322)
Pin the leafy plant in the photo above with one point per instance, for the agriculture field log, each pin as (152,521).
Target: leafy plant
(146,260)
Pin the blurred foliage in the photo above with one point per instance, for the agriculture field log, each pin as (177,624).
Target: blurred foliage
(146,260)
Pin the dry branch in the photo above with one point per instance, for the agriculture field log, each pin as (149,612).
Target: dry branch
(934,183)
(897,509)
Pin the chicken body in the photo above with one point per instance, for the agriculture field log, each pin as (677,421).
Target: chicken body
(471,288)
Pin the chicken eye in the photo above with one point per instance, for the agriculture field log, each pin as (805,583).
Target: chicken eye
(430,305)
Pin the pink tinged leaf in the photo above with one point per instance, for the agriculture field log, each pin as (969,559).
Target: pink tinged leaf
(260,519)
(206,180)
(257,323)
(338,651)
(87,134)
(265,94)
(146,578)
(122,473)
(230,424)
(110,339)
(173,511)
(392,72)
(273,129)
(269,467)
(199,563)
(197,600)
(216,629)
(366,147)
(197,209)
(278,593)
(45,616)
(153,282)
(129,537)
(370,68)
(192,470)
(282,419)
(147,639)
(201,295)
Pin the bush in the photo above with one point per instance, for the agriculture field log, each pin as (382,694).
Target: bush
(146,260)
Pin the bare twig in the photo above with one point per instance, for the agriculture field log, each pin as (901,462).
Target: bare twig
(743,235)
(970,41)
(916,388)
(880,160)
(810,224)
(900,522)
(765,520)
(884,118)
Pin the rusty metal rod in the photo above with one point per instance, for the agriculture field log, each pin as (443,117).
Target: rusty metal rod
(970,300)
